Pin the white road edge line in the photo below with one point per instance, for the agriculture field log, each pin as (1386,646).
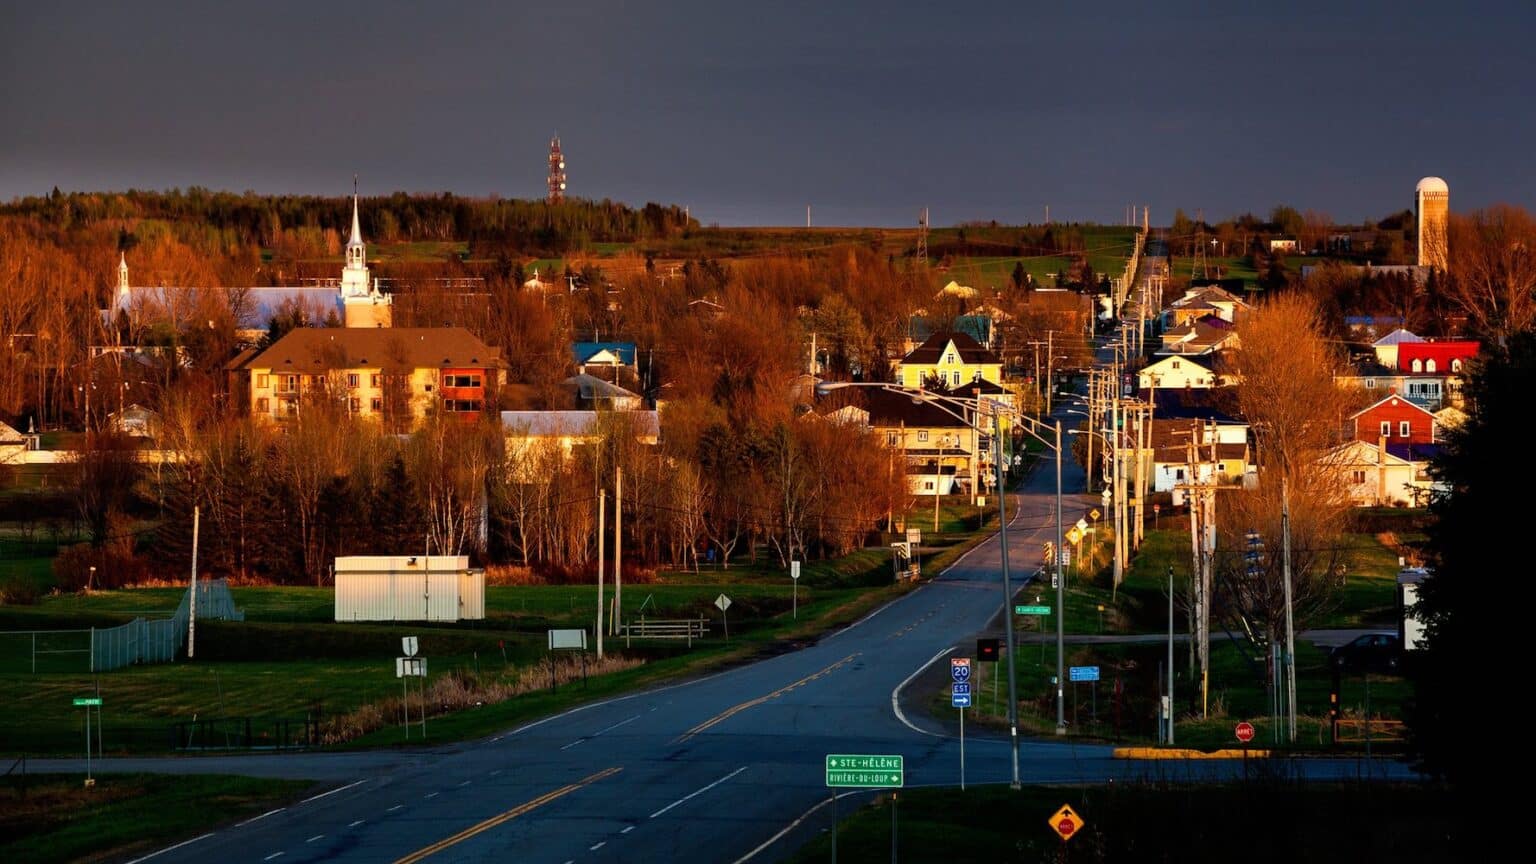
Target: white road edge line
(698,792)
(598,845)
(333,791)
(896,694)
(791,826)
(314,838)
(262,816)
(573,744)
(355,824)
(273,855)
(627,829)
(431,795)
(394,808)
(172,848)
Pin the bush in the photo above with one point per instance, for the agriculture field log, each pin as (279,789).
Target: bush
(115,568)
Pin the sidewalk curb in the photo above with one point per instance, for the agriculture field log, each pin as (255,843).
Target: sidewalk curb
(1179,753)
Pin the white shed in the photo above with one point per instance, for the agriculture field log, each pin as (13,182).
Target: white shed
(408,588)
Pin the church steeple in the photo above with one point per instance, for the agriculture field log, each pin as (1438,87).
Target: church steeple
(357,252)
(122,272)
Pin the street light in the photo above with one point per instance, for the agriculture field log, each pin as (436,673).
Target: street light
(1030,426)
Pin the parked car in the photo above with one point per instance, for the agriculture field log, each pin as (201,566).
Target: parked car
(1373,652)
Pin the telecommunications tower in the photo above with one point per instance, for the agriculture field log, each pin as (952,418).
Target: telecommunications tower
(556,171)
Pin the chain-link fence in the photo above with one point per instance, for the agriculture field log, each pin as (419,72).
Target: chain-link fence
(102,649)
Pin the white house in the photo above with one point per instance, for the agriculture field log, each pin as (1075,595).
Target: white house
(1386,346)
(1373,476)
(1179,373)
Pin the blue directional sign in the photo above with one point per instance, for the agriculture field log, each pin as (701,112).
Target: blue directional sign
(960,700)
(960,668)
(1083,673)
(961,688)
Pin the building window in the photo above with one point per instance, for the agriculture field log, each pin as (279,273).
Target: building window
(1178,474)
(376,405)
(1386,429)
(355,405)
(1405,429)
(1175,364)
(462,381)
(927,485)
(352,380)
(426,388)
(262,381)
(1455,365)
(290,383)
(261,406)
(950,359)
(373,380)
(922,435)
(1357,477)
(890,439)
(1418,365)
(956,378)
(462,405)
(1429,365)
(1370,383)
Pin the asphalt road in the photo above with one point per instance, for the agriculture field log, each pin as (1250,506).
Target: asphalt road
(725,768)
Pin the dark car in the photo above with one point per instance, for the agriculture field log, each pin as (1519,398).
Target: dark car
(1373,652)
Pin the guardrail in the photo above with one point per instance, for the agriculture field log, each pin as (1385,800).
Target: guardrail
(653,628)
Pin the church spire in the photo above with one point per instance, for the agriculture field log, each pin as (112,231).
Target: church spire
(122,272)
(356,250)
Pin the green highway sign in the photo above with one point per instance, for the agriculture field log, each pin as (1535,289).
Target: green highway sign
(1031,610)
(885,772)
(82,701)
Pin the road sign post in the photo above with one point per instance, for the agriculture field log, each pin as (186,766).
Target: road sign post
(1031,610)
(723,603)
(794,589)
(89,702)
(1066,823)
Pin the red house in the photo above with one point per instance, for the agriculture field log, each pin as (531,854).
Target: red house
(1444,358)
(1395,419)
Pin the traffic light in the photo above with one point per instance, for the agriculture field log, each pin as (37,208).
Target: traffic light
(986,650)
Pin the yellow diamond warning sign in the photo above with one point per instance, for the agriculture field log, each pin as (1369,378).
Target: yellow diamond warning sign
(1066,823)
(1074,535)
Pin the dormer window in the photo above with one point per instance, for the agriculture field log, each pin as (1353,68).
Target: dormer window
(1418,365)
(1456,365)
(1429,365)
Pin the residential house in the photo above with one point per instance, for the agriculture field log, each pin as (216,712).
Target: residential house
(1386,347)
(13,445)
(535,436)
(135,421)
(1208,335)
(396,375)
(953,358)
(1179,373)
(1395,420)
(1202,302)
(604,359)
(1431,391)
(939,444)
(1373,476)
(1192,451)
(592,393)
(1444,357)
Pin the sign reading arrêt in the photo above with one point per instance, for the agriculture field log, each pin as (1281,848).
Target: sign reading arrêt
(863,771)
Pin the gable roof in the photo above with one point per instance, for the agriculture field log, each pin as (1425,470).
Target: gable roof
(584,351)
(305,349)
(1397,337)
(592,387)
(978,327)
(1361,453)
(1394,398)
(9,435)
(556,424)
(886,408)
(1206,403)
(1151,367)
(932,349)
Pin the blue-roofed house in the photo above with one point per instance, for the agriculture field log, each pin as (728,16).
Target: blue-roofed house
(593,356)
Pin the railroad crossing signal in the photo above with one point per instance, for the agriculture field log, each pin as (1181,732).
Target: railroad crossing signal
(1066,823)
(1049,551)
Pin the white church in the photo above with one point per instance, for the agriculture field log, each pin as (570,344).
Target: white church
(356,298)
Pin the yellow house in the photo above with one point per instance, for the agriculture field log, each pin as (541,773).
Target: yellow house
(396,375)
(953,358)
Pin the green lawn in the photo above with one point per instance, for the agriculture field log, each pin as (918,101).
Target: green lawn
(53,818)
(1260,821)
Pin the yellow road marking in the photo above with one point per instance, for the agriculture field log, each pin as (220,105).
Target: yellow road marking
(737,709)
(505,817)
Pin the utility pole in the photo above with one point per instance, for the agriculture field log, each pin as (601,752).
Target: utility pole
(1170,654)
(1002,541)
(602,499)
(1050,370)
(618,544)
(192,594)
(1290,624)
(1061,583)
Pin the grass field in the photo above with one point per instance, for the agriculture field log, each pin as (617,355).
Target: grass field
(53,818)
(1270,820)
(289,661)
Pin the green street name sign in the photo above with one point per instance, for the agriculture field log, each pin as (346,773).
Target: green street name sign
(883,772)
(82,701)
(1031,610)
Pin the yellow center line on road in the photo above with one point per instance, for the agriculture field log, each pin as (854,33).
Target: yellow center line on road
(506,817)
(737,709)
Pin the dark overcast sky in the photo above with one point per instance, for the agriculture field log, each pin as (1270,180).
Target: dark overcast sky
(746,112)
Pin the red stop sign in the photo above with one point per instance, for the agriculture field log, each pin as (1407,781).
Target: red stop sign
(1065,827)
(1245,731)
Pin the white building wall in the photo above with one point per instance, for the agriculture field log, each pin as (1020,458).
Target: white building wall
(392,588)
